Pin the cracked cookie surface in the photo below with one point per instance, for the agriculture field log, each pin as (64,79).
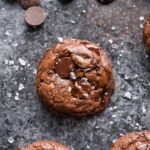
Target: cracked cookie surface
(75,78)
(133,141)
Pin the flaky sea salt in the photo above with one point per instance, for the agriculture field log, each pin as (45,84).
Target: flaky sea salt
(60,39)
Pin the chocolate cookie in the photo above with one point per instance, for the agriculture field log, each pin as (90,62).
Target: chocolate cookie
(29,3)
(75,78)
(133,141)
(45,145)
(147,34)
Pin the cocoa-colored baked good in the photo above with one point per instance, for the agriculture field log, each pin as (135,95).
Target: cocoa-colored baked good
(133,141)
(147,34)
(45,145)
(75,78)
(29,3)
(35,16)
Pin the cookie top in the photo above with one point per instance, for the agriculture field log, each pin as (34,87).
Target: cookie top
(147,34)
(133,141)
(75,78)
(45,145)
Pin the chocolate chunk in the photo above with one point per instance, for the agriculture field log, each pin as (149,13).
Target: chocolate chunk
(77,92)
(29,3)
(96,93)
(64,66)
(35,16)
(79,74)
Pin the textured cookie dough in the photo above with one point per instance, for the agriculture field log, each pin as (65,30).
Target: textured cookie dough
(75,78)
(133,141)
(147,34)
(45,145)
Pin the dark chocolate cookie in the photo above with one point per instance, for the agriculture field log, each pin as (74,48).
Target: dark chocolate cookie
(147,34)
(75,78)
(45,145)
(29,3)
(133,141)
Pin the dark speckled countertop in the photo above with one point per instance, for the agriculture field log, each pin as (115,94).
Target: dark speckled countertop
(118,30)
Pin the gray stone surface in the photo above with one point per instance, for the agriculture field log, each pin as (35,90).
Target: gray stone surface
(23,118)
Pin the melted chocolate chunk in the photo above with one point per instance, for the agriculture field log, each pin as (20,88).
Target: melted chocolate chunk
(64,66)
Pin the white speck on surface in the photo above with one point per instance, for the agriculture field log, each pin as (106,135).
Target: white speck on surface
(34,71)
(9,94)
(121,134)
(133,6)
(72,21)
(22,62)
(21,87)
(84,79)
(113,116)
(118,63)
(60,39)
(6,61)
(11,140)
(136,76)
(85,94)
(115,107)
(11,62)
(16,67)
(84,11)
(16,98)
(113,28)
(144,109)
(8,33)
(106,93)
(110,41)
(28,65)
(111,122)
(17,93)
(141,26)
(72,75)
(114,140)
(88,147)
(69,89)
(126,77)
(127,95)
(141,18)
(135,97)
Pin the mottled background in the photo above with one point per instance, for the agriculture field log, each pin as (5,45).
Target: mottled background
(117,27)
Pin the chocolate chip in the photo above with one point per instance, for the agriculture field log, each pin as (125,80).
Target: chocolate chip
(35,16)
(29,3)
(76,92)
(105,1)
(79,74)
(64,66)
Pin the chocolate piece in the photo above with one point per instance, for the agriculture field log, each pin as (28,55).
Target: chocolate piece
(105,1)
(81,75)
(133,141)
(29,3)
(64,66)
(45,145)
(147,35)
(35,16)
